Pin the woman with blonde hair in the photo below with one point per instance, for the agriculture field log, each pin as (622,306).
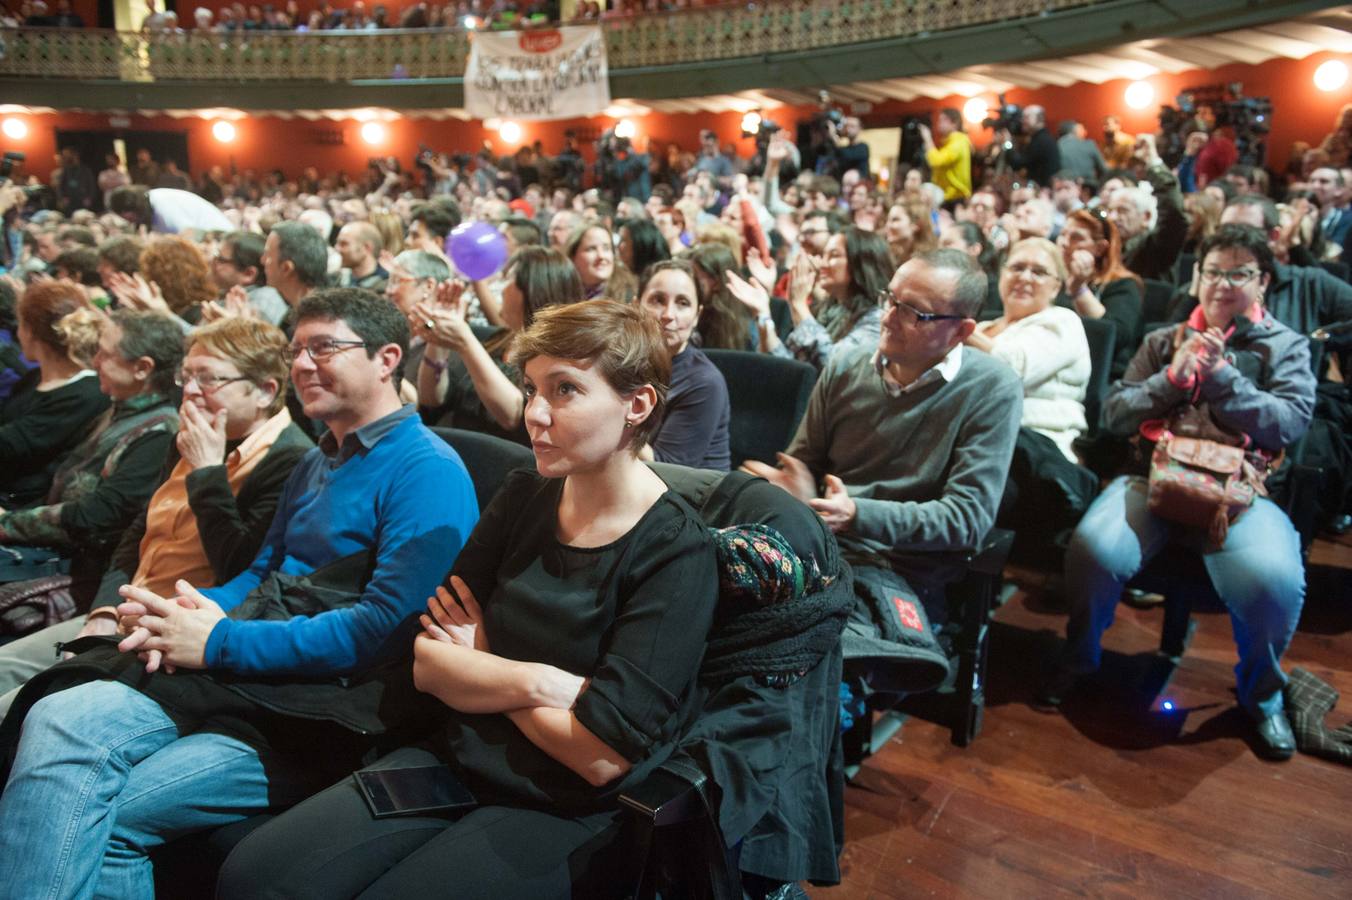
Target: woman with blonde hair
(50,408)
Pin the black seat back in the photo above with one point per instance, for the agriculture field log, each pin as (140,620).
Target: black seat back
(1102,337)
(1155,304)
(768,396)
(487,458)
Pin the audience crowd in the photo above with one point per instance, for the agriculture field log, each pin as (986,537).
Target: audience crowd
(217,394)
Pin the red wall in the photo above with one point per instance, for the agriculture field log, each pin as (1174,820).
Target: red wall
(1301,113)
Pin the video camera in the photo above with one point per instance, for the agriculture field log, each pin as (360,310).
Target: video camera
(1008,116)
(1249,117)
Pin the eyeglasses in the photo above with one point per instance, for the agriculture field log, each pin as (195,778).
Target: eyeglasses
(889,301)
(206,382)
(1232,277)
(319,349)
(1017,269)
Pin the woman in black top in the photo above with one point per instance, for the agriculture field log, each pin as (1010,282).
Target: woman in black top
(1098,285)
(568,662)
(52,407)
(466,383)
(694,429)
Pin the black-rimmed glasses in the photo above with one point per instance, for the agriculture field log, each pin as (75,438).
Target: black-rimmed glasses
(889,301)
(319,349)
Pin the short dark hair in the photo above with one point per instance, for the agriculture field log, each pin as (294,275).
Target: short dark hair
(1239,237)
(953,116)
(969,294)
(81,264)
(302,246)
(77,234)
(545,277)
(370,316)
(525,232)
(439,216)
(122,252)
(248,249)
(155,336)
(131,203)
(1270,217)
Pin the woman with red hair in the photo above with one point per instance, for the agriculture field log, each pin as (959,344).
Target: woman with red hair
(1099,285)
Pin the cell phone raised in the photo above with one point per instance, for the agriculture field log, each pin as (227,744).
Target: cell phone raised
(413,791)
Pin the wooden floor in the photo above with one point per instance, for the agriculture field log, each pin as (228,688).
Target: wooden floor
(1113,798)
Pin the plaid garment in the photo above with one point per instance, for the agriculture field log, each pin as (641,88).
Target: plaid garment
(1308,701)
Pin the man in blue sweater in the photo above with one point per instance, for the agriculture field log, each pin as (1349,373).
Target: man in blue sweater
(368,524)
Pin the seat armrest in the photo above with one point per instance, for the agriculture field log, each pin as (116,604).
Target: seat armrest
(994,553)
(671,794)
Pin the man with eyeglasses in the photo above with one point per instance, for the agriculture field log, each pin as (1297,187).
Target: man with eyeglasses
(906,448)
(239,263)
(220,485)
(282,677)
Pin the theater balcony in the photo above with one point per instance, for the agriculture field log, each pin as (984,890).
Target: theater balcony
(779,51)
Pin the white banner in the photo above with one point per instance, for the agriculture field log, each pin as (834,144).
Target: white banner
(556,73)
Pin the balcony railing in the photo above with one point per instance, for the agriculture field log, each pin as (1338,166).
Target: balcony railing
(697,35)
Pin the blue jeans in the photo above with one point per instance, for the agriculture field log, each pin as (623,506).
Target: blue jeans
(1257,572)
(104,774)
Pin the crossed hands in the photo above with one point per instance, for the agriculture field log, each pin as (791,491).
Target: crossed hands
(455,618)
(167,633)
(836,508)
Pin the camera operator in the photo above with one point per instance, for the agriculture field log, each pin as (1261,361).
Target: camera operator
(950,160)
(12,200)
(1038,157)
(620,170)
(566,169)
(843,150)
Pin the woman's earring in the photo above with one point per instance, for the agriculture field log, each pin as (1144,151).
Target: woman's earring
(628,424)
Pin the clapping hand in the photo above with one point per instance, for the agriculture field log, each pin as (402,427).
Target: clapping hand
(792,475)
(442,323)
(134,292)
(750,293)
(236,304)
(836,507)
(761,269)
(802,279)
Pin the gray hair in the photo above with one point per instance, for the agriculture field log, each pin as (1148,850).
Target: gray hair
(421,265)
(969,294)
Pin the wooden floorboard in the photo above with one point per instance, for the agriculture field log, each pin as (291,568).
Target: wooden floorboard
(1114,797)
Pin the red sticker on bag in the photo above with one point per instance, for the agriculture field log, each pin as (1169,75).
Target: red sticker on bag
(908,614)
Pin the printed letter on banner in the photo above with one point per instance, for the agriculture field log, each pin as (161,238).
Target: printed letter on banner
(540,74)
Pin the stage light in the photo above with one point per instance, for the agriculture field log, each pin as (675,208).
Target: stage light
(223,131)
(751,122)
(626,128)
(15,129)
(1140,94)
(373,133)
(974,110)
(469,22)
(510,132)
(1167,706)
(1330,76)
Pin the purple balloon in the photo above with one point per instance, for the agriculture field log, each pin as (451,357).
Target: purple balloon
(477,249)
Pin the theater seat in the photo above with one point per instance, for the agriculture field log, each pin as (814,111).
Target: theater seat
(768,396)
(675,810)
(489,459)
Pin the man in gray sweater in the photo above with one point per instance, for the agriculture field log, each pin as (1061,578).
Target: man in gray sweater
(910,444)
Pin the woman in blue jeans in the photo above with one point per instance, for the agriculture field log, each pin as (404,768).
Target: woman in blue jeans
(1235,375)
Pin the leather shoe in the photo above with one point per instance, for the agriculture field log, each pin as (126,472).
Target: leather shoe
(1275,740)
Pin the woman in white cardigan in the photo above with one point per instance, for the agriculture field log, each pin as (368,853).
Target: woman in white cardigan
(1045,344)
